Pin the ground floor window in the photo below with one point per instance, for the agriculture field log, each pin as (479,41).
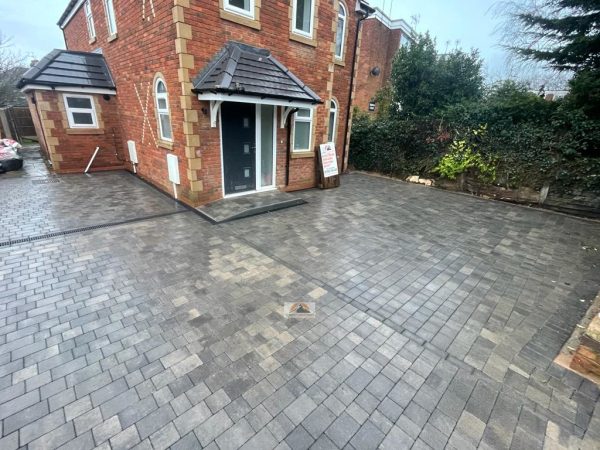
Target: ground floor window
(302,130)
(81,111)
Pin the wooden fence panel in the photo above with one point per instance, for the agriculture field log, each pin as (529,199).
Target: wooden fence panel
(17,123)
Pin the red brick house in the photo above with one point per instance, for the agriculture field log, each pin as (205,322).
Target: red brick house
(383,37)
(236,94)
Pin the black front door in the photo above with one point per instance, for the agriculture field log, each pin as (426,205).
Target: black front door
(238,132)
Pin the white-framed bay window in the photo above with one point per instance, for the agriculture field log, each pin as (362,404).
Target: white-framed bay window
(303,17)
(242,7)
(162,110)
(111,21)
(333,115)
(302,130)
(89,19)
(81,111)
(340,36)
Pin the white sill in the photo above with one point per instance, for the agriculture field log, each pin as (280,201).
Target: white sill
(301,33)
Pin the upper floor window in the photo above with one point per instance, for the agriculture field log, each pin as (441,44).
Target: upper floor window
(302,17)
(243,7)
(162,109)
(333,113)
(81,111)
(302,130)
(341,32)
(89,20)
(111,21)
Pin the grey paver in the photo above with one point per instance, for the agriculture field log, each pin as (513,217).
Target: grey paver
(213,427)
(235,436)
(125,439)
(300,408)
(342,429)
(41,426)
(367,437)
(168,332)
(155,421)
(192,418)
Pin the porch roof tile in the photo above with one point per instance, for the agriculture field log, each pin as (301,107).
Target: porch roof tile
(245,70)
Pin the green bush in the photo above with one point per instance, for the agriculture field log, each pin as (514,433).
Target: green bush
(465,157)
(531,141)
(528,141)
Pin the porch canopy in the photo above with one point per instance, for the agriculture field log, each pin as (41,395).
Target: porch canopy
(247,74)
(65,70)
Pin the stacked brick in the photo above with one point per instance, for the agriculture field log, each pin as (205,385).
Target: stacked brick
(587,356)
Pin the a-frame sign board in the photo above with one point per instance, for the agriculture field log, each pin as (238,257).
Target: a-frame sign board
(329,175)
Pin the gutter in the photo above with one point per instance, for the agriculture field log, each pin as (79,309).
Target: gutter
(351,90)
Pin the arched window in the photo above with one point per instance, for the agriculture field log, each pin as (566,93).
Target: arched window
(162,109)
(333,113)
(341,32)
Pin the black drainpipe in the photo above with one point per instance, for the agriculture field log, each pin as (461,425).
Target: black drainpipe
(288,139)
(352,75)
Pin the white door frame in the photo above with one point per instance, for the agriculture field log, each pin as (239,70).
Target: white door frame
(258,152)
(257,161)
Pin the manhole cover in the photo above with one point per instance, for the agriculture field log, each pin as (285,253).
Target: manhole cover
(45,181)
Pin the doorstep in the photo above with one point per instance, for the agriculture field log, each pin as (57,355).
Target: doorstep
(234,208)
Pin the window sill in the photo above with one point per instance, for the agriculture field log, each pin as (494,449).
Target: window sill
(84,131)
(112,37)
(303,154)
(303,39)
(92,40)
(340,62)
(165,144)
(240,19)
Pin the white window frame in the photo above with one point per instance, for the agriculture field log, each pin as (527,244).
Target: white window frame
(159,111)
(295,30)
(70,111)
(343,15)
(308,120)
(236,10)
(111,19)
(89,18)
(333,108)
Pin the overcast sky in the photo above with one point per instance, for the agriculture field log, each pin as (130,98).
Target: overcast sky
(470,22)
(32,24)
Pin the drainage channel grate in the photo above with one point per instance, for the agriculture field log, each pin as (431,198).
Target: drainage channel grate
(88,228)
(45,180)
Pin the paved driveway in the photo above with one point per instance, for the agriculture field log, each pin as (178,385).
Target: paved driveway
(438,316)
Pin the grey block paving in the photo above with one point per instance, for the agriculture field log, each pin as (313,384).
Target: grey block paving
(438,317)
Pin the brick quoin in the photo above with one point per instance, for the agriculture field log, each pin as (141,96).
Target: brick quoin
(146,46)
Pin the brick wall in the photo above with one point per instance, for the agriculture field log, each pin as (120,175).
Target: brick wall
(378,48)
(143,48)
(178,42)
(70,150)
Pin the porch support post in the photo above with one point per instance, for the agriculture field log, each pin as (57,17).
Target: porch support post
(215,105)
